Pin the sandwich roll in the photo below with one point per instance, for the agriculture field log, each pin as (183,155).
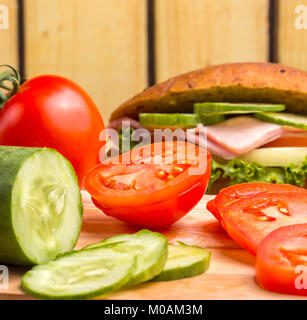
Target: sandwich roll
(244,108)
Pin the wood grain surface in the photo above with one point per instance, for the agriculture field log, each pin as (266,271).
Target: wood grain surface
(198,33)
(292,42)
(99,44)
(231,274)
(9,37)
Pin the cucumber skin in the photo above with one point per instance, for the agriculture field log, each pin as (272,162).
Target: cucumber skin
(90,295)
(155,270)
(225,107)
(164,120)
(266,117)
(193,270)
(11,160)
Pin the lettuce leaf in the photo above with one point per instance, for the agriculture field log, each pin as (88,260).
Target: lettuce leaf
(239,171)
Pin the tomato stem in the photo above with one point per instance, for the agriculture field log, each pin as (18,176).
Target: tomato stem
(9,83)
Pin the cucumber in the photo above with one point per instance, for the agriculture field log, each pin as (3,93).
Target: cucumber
(177,120)
(40,205)
(149,247)
(235,108)
(169,120)
(284,119)
(80,274)
(184,261)
(208,119)
(276,157)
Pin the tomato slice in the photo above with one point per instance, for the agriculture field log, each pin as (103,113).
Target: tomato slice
(249,220)
(288,142)
(211,207)
(152,186)
(282,260)
(246,190)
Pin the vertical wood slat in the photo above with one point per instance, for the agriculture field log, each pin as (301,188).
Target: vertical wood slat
(292,42)
(198,33)
(9,38)
(99,44)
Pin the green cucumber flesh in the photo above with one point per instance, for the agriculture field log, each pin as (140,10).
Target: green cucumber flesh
(184,261)
(149,247)
(80,274)
(208,119)
(233,108)
(40,205)
(178,120)
(168,120)
(284,119)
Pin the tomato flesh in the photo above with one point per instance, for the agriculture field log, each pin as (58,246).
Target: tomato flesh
(246,190)
(211,207)
(249,220)
(282,260)
(291,141)
(155,189)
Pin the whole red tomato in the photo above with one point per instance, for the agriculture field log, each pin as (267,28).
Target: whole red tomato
(52,111)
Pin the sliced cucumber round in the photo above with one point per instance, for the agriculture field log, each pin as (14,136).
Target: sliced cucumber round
(208,119)
(168,120)
(284,119)
(149,247)
(184,261)
(40,205)
(276,157)
(233,108)
(80,274)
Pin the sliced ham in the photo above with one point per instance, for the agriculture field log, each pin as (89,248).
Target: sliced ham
(119,122)
(199,136)
(240,135)
(231,138)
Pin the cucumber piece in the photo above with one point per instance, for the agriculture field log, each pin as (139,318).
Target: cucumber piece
(168,120)
(208,119)
(284,119)
(276,157)
(80,274)
(184,261)
(40,205)
(235,108)
(149,247)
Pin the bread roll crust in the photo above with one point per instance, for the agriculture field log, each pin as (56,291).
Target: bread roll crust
(236,82)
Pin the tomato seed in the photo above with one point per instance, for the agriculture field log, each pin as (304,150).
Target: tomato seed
(161,174)
(265,218)
(178,169)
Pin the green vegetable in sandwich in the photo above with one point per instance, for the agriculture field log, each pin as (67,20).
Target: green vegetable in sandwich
(253,116)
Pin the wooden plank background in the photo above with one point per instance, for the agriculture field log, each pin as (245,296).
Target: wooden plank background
(99,44)
(9,38)
(104,45)
(292,43)
(196,34)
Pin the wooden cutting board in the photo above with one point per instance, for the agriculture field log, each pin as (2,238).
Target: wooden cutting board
(231,274)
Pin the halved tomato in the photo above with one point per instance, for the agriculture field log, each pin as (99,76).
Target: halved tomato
(249,220)
(152,186)
(282,260)
(245,190)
